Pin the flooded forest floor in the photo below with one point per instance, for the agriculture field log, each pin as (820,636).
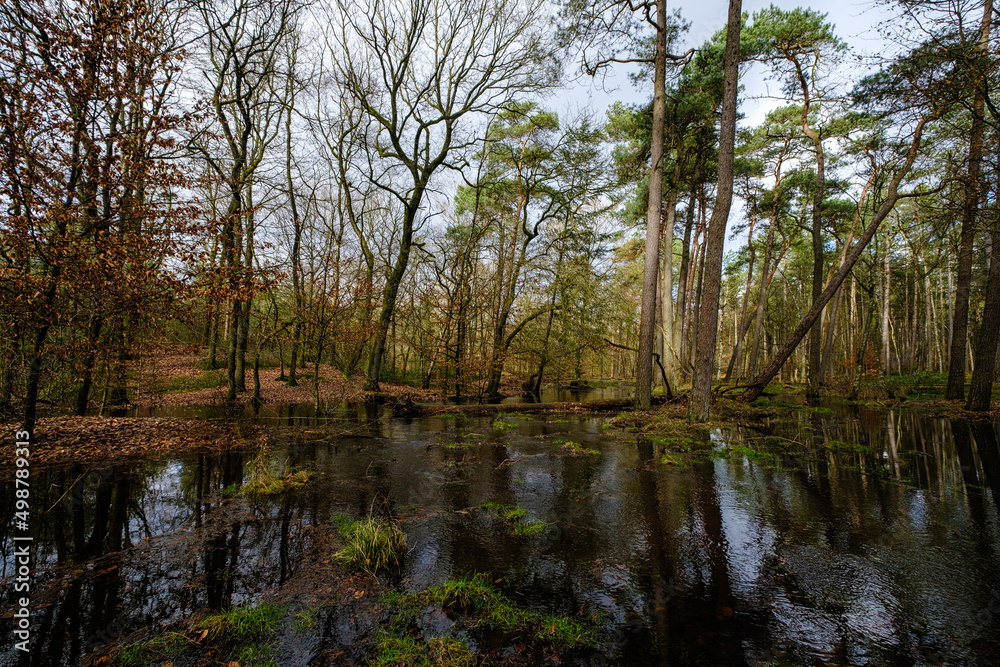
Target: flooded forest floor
(780,534)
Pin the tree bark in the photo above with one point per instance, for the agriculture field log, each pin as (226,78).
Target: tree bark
(296,246)
(708,314)
(886,282)
(392,288)
(981,387)
(955,389)
(654,205)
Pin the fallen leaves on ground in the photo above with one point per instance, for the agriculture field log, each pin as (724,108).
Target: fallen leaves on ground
(80,439)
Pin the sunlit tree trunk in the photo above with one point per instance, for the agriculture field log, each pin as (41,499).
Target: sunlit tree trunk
(701,384)
(654,208)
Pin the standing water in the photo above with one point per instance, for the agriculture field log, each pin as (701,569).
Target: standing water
(835,536)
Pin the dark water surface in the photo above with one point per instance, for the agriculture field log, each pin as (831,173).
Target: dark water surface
(869,538)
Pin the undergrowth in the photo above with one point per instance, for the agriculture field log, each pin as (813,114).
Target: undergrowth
(140,654)
(241,624)
(480,605)
(265,482)
(515,517)
(392,651)
(370,544)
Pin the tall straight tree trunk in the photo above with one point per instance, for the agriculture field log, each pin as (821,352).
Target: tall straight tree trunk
(698,279)
(765,282)
(981,387)
(654,206)
(955,389)
(886,280)
(668,351)
(296,243)
(815,366)
(83,393)
(684,283)
(742,326)
(928,322)
(708,314)
(826,363)
(892,196)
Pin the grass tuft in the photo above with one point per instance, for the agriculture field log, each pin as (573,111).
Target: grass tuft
(277,485)
(407,651)
(501,425)
(841,446)
(371,544)
(486,606)
(255,655)
(142,653)
(527,528)
(576,449)
(242,623)
(264,482)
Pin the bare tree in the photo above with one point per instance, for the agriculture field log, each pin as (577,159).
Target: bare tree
(419,69)
(243,45)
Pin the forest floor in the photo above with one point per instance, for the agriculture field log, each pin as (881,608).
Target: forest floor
(178,377)
(86,439)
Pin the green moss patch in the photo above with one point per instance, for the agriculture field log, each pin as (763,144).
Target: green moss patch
(477,604)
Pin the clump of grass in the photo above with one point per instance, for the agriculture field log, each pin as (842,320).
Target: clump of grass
(576,449)
(371,544)
(462,445)
(263,480)
(486,606)
(256,655)
(514,517)
(676,443)
(505,512)
(671,460)
(501,425)
(242,624)
(527,528)
(304,619)
(393,651)
(753,454)
(142,653)
(515,415)
(207,379)
(277,485)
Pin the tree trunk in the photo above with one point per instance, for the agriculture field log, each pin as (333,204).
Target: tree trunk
(654,206)
(886,281)
(955,389)
(981,387)
(392,289)
(742,326)
(684,287)
(83,393)
(708,313)
(296,243)
(815,366)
